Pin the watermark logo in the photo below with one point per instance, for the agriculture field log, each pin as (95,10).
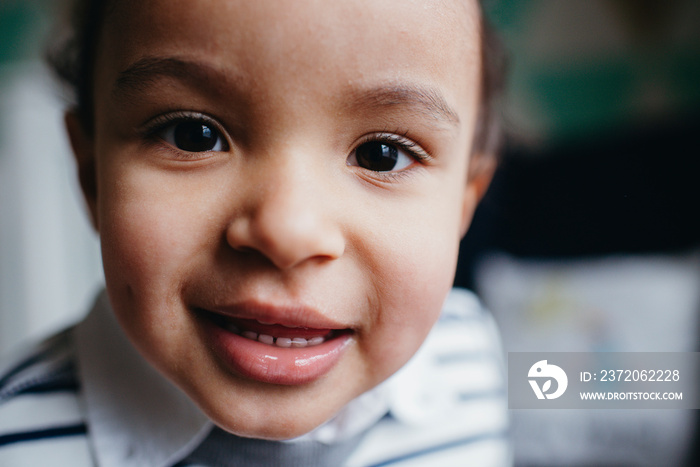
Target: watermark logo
(547,372)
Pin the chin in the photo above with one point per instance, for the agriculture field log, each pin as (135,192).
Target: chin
(263,411)
(268,429)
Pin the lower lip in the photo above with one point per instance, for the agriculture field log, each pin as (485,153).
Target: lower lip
(271,364)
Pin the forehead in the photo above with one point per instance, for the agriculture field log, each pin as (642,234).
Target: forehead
(334,21)
(293,43)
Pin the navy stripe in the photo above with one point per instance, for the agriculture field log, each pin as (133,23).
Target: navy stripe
(63,374)
(65,385)
(44,352)
(59,432)
(22,366)
(443,447)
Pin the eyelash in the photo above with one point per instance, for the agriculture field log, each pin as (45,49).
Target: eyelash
(162,122)
(404,143)
(400,139)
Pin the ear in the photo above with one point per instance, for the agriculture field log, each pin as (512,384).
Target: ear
(84,153)
(481,170)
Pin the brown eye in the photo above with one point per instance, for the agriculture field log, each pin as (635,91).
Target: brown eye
(379,156)
(193,136)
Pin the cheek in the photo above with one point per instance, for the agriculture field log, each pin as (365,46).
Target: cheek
(141,241)
(414,267)
(151,234)
(422,277)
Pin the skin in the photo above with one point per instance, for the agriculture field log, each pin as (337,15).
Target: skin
(282,215)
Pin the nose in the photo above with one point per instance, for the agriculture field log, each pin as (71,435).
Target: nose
(288,216)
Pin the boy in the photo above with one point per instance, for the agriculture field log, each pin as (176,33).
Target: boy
(280,189)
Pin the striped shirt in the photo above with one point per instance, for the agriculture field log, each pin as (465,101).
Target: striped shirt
(85,397)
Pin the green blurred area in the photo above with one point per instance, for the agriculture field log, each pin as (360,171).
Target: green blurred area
(578,68)
(560,86)
(21,33)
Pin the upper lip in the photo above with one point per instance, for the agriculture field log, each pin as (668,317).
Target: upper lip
(285,315)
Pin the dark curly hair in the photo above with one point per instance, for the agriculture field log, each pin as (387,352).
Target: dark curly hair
(73,60)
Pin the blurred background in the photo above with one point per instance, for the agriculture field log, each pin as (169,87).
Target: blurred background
(588,239)
(49,257)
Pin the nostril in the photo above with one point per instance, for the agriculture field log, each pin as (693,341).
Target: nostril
(245,249)
(287,230)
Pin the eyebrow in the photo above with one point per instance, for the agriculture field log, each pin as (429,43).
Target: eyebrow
(145,73)
(423,101)
(426,102)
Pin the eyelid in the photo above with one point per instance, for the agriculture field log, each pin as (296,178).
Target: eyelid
(160,122)
(401,140)
(406,144)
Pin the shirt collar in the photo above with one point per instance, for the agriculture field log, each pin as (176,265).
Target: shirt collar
(136,417)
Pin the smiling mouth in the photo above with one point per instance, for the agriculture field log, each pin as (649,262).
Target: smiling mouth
(273,334)
(274,345)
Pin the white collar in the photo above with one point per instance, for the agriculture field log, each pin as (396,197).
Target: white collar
(136,417)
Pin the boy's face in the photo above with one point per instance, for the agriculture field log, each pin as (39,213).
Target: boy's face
(301,163)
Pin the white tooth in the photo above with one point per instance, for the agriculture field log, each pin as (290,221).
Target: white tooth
(250,335)
(299,342)
(316,340)
(283,342)
(264,322)
(265,339)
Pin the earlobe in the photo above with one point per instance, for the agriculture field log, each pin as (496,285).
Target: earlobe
(481,170)
(481,173)
(84,153)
